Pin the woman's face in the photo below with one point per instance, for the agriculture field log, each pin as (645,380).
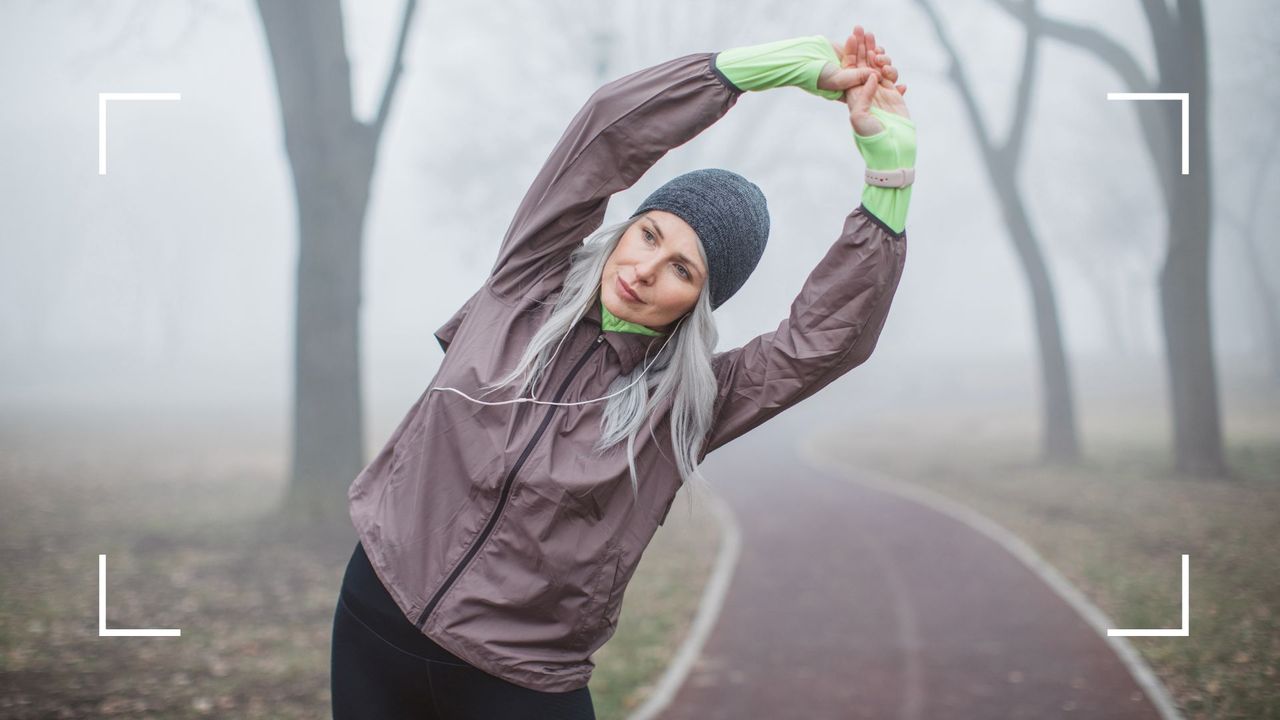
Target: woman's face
(659,259)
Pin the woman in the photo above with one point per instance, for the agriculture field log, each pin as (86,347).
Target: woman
(502,521)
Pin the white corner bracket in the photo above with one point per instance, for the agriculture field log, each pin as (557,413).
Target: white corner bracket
(1183,631)
(1183,97)
(103,97)
(102,611)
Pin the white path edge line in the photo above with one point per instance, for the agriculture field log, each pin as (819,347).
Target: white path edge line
(1145,677)
(705,619)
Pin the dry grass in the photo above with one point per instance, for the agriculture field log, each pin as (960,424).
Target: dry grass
(175,512)
(1117,525)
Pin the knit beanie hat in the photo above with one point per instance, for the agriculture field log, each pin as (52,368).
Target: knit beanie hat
(730,216)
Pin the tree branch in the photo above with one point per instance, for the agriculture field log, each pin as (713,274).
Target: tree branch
(1155,131)
(1107,50)
(956,71)
(393,73)
(1012,147)
(1158,17)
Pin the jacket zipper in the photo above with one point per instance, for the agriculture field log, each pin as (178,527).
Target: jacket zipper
(506,487)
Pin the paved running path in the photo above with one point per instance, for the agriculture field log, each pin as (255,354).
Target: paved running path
(852,603)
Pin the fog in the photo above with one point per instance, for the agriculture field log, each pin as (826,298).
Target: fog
(1047,366)
(165,288)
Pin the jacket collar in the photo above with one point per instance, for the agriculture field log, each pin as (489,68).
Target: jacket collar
(628,346)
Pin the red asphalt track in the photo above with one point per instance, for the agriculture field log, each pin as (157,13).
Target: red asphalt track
(848,602)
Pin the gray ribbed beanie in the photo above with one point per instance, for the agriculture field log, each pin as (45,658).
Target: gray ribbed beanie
(730,216)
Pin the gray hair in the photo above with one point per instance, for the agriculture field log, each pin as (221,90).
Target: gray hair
(682,370)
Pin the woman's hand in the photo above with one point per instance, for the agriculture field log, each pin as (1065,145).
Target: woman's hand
(878,91)
(858,54)
(842,80)
(860,50)
(853,70)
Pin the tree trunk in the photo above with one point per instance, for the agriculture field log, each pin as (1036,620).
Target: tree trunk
(1267,303)
(328,447)
(1059,440)
(1184,302)
(1255,261)
(331,157)
(1184,278)
(1188,336)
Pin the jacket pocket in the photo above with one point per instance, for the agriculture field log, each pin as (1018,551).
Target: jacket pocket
(596,613)
(614,600)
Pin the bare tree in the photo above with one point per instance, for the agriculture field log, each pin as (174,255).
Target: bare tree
(1184,279)
(1255,148)
(1248,226)
(1060,441)
(332,157)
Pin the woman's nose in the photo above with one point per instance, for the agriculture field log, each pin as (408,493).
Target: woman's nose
(645,270)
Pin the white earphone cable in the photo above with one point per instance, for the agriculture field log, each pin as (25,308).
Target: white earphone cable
(581,402)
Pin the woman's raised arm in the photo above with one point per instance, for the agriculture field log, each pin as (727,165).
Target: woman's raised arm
(623,129)
(628,125)
(836,319)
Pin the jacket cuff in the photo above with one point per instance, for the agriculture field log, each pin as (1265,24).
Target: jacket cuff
(722,77)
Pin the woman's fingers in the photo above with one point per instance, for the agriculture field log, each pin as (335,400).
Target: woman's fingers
(841,79)
(862,51)
(868,89)
(877,57)
(859,98)
(859,101)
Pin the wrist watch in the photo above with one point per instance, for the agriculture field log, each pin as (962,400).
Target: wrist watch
(901,177)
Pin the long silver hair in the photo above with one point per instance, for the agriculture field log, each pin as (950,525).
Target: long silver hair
(682,369)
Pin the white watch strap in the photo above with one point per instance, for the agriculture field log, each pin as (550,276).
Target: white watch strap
(901,177)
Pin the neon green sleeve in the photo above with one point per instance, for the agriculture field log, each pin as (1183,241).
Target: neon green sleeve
(796,62)
(892,148)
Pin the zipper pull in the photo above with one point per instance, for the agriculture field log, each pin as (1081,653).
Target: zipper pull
(599,337)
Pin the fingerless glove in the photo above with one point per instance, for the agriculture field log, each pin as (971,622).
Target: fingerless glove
(892,148)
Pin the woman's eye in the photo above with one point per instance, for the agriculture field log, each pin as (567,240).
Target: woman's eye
(648,236)
(684,273)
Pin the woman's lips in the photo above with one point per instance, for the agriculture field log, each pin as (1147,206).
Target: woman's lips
(626,292)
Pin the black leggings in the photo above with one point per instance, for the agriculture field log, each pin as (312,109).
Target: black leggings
(384,668)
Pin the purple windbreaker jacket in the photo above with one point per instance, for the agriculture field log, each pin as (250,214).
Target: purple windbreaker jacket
(496,529)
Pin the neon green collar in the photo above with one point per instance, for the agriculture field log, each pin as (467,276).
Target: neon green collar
(613,323)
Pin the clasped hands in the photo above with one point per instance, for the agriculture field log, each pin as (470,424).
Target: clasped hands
(866,78)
